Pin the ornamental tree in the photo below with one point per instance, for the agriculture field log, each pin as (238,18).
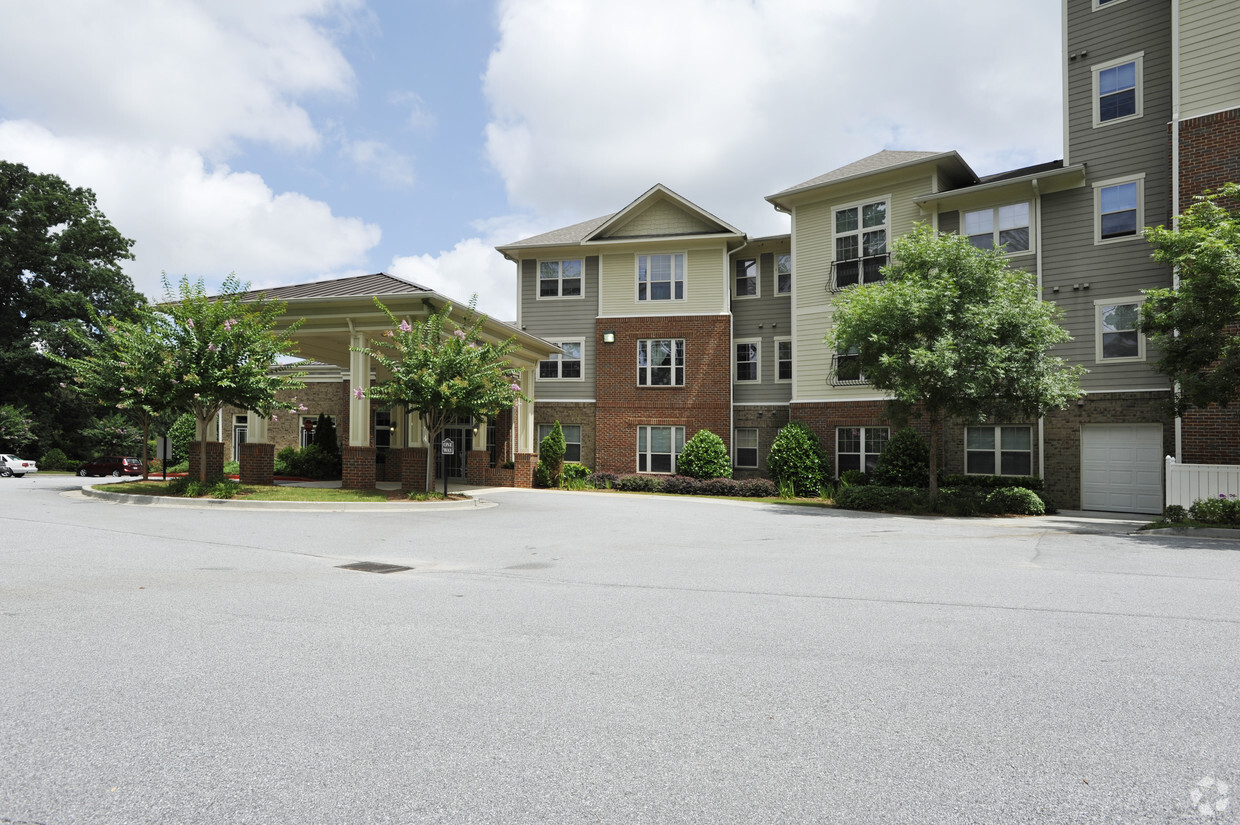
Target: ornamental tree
(957,332)
(1195,325)
(441,370)
(15,430)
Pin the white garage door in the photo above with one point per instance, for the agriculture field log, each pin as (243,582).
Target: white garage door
(1121,468)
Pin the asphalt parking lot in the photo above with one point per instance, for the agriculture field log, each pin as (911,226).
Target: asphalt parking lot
(577,657)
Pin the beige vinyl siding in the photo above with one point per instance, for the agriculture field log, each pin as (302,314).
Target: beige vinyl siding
(660,220)
(765,318)
(563,319)
(812,264)
(1209,56)
(812,363)
(949,221)
(706,282)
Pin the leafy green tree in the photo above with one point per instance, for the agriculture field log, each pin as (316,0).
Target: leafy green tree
(117,435)
(325,435)
(1195,325)
(796,460)
(957,332)
(15,429)
(551,455)
(220,351)
(442,370)
(59,257)
(704,456)
(181,434)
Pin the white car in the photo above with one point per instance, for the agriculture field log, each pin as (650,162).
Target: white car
(11,465)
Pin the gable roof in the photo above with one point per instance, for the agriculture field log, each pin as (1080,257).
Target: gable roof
(359,286)
(884,161)
(561,237)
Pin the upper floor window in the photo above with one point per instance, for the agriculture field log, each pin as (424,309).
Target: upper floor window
(860,244)
(783,359)
(747,278)
(1117,337)
(783,274)
(846,368)
(661,277)
(1117,89)
(658,448)
(1118,208)
(567,365)
(1005,227)
(661,362)
(747,361)
(1006,451)
(559,279)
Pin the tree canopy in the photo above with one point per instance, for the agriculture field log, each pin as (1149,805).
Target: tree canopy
(955,330)
(1195,326)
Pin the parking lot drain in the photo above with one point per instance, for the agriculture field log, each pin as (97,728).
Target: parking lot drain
(374,567)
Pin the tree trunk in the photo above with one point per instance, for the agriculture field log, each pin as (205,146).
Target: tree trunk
(146,450)
(934,459)
(202,448)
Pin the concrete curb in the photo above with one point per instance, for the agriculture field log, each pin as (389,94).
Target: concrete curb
(1220,533)
(304,506)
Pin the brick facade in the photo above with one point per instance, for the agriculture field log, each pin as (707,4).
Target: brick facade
(574,413)
(1211,436)
(767,420)
(215,459)
(257,463)
(704,402)
(357,468)
(329,398)
(824,417)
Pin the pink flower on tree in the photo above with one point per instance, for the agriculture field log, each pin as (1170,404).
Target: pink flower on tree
(387,333)
(190,323)
(359,393)
(212,348)
(515,387)
(302,407)
(229,324)
(275,417)
(460,333)
(404,326)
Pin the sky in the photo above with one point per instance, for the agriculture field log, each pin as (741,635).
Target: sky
(297,140)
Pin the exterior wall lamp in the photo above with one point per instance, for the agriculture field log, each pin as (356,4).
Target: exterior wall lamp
(609,337)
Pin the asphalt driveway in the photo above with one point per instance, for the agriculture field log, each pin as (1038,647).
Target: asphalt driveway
(608,658)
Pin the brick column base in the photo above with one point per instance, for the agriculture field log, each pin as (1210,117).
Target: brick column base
(357,468)
(215,459)
(523,469)
(258,462)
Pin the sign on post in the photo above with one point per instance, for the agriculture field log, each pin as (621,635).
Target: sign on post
(447,448)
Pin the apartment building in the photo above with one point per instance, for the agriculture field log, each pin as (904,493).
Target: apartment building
(671,320)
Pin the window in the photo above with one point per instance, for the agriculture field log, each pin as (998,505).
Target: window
(1117,90)
(661,362)
(1002,226)
(745,447)
(783,359)
(566,366)
(383,428)
(1117,337)
(846,369)
(747,278)
(1119,206)
(860,244)
(747,361)
(559,279)
(658,447)
(308,423)
(783,274)
(241,428)
(661,277)
(1010,449)
(858,448)
(572,439)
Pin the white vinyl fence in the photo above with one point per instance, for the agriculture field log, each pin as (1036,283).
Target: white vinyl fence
(1187,483)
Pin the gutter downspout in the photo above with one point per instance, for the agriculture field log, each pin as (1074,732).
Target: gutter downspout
(732,347)
(1037,240)
(1175,179)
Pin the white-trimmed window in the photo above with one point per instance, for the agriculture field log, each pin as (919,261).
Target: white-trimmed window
(860,244)
(1117,89)
(559,279)
(858,448)
(241,429)
(1002,226)
(1118,209)
(746,360)
(846,368)
(1116,336)
(563,367)
(383,428)
(572,439)
(661,277)
(1098,4)
(747,278)
(658,448)
(745,447)
(998,450)
(661,362)
(783,360)
(307,426)
(783,273)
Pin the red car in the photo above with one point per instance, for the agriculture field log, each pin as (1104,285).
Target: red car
(111,466)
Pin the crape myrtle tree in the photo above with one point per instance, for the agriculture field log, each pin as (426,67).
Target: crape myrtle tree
(59,256)
(220,350)
(957,332)
(441,370)
(1195,326)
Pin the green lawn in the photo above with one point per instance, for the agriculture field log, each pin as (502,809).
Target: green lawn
(257,492)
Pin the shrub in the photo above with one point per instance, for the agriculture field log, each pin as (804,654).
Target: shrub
(55,459)
(1175,514)
(542,478)
(704,456)
(854,478)
(309,462)
(575,471)
(962,501)
(639,484)
(181,434)
(796,458)
(1015,500)
(232,468)
(551,457)
(904,462)
(325,435)
(1034,483)
(602,481)
(1048,503)
(875,497)
(1221,510)
(756,488)
(679,485)
(214,487)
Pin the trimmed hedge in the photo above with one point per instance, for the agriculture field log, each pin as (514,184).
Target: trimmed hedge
(1015,500)
(875,497)
(687,486)
(1034,483)
(705,456)
(952,501)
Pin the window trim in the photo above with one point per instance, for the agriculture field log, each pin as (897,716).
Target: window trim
(538,430)
(863,452)
(791,359)
(674,366)
(998,449)
(649,441)
(757,279)
(994,226)
(1099,303)
(559,296)
(1139,180)
(736,447)
(860,233)
(1103,4)
(775,268)
(757,361)
(559,361)
(1137,58)
(684,281)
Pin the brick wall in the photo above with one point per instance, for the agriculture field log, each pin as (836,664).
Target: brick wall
(704,402)
(767,419)
(824,417)
(320,397)
(579,414)
(215,459)
(1211,436)
(257,463)
(357,468)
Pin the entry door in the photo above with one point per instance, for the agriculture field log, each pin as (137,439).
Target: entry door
(240,431)
(462,434)
(1121,468)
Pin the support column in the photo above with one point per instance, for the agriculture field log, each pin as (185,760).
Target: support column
(525,458)
(357,460)
(257,455)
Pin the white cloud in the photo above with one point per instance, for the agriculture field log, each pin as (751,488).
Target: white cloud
(420,118)
(188,218)
(379,160)
(726,101)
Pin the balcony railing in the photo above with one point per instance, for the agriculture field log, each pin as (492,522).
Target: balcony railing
(846,371)
(857,271)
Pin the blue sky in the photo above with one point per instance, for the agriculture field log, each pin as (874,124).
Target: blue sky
(294,140)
